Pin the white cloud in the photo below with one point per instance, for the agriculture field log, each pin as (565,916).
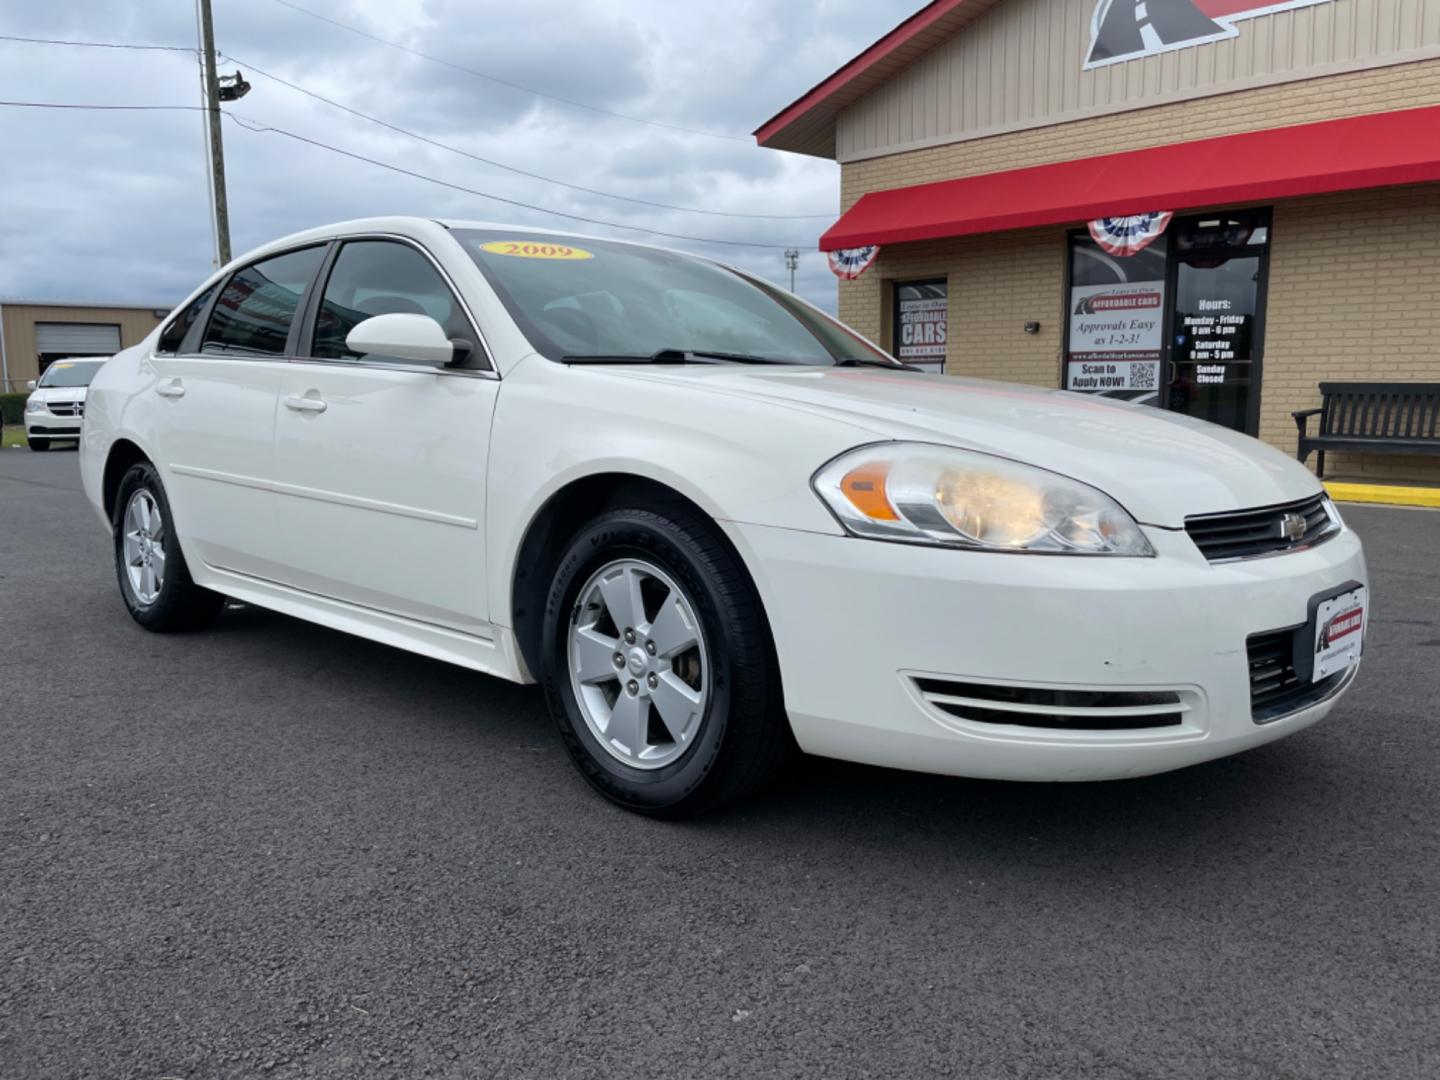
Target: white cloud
(113,205)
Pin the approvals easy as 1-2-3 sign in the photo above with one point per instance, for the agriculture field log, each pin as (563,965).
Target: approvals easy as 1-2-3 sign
(1128,29)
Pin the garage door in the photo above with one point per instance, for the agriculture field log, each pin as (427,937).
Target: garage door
(77,339)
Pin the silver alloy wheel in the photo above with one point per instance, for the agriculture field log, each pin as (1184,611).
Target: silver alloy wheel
(144,547)
(638,663)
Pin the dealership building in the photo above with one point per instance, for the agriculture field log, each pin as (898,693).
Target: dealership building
(36,333)
(1208,206)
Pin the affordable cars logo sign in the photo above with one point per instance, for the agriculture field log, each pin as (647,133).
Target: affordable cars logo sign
(1129,29)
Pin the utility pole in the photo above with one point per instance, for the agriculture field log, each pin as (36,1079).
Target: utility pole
(217,148)
(792,260)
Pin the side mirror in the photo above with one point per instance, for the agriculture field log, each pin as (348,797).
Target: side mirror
(417,339)
(32,384)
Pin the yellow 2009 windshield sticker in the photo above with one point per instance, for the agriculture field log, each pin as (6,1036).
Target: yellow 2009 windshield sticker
(527,249)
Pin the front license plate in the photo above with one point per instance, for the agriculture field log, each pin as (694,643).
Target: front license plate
(1339,633)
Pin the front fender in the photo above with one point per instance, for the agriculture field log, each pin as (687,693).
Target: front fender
(738,459)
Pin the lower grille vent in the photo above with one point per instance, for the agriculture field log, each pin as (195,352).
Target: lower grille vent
(1276,689)
(1064,710)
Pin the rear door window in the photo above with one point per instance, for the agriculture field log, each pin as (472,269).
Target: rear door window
(256,308)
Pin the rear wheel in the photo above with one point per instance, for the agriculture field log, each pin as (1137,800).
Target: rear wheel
(154,580)
(658,666)
(37,444)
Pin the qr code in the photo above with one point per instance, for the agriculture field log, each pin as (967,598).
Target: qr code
(1142,376)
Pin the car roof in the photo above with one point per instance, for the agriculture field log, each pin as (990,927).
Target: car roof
(420,226)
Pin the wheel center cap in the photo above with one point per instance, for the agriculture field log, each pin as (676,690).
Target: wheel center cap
(637,661)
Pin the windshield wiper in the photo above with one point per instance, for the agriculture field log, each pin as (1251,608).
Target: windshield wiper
(671,356)
(713,356)
(867,361)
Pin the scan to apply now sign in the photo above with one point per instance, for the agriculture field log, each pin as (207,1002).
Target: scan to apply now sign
(1115,336)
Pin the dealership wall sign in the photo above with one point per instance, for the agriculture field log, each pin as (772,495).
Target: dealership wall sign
(1127,29)
(849,263)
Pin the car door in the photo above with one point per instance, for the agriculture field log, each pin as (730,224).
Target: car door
(380,464)
(217,393)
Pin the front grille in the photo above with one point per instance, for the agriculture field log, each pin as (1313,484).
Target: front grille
(1275,688)
(1068,710)
(1248,534)
(66,408)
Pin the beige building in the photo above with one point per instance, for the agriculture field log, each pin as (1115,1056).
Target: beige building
(1209,206)
(34,333)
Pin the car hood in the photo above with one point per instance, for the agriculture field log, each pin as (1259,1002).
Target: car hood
(1161,466)
(59,394)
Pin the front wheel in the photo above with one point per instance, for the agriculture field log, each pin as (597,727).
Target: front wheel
(154,580)
(37,444)
(658,665)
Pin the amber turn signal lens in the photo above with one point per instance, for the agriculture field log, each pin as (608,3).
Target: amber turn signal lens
(865,488)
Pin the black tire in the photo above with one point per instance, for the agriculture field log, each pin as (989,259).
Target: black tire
(38,444)
(180,604)
(744,735)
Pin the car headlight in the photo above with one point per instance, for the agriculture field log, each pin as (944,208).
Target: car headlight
(34,404)
(926,494)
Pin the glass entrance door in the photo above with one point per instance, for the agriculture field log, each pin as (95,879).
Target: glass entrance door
(1217,319)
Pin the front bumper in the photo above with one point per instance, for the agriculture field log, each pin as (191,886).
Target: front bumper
(857,622)
(44,425)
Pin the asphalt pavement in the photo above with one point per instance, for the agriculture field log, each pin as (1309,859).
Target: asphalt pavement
(272,850)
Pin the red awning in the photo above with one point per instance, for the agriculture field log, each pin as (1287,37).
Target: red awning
(1309,159)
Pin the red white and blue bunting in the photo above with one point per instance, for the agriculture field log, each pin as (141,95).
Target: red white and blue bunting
(1129,235)
(849,263)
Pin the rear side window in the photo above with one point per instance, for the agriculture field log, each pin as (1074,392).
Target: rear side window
(381,277)
(258,304)
(173,336)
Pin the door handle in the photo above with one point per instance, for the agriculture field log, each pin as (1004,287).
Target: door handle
(172,389)
(305,404)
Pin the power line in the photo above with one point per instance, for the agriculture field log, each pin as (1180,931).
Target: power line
(96,44)
(251,125)
(423,138)
(505,82)
(101,108)
(500,164)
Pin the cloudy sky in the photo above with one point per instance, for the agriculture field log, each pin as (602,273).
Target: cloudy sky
(113,205)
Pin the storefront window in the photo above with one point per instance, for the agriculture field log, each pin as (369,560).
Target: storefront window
(1215,333)
(921,328)
(1180,324)
(1117,316)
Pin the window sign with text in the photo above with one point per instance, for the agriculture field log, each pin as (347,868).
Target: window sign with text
(921,324)
(1116,312)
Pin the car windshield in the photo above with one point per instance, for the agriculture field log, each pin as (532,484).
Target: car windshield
(578,298)
(70,373)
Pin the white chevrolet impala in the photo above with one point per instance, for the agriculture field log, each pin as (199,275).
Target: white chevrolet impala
(710,520)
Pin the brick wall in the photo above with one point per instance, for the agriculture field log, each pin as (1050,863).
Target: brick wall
(1354,294)
(1354,278)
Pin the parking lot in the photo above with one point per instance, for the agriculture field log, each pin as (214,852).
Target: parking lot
(270,849)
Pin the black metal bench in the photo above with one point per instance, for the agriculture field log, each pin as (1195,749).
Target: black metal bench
(1372,418)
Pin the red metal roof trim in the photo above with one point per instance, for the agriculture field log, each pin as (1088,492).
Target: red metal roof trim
(1379,150)
(921,21)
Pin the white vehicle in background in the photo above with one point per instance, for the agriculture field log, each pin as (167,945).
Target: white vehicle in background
(56,406)
(710,520)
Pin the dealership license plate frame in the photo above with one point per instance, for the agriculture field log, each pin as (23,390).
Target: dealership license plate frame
(1315,660)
